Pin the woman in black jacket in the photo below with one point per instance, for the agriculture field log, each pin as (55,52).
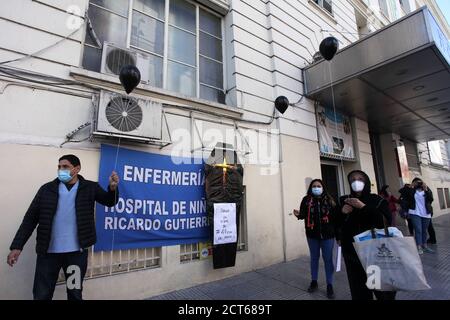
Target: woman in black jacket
(318,210)
(418,198)
(359,212)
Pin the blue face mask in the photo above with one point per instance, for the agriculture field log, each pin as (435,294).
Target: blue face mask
(64,176)
(317,191)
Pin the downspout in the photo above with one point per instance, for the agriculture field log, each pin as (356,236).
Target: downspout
(280,162)
(280,157)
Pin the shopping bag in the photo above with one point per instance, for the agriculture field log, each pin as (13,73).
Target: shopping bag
(391,263)
(379,233)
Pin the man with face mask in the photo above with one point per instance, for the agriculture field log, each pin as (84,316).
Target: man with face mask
(360,211)
(63,210)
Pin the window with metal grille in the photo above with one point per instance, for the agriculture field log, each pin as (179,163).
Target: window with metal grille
(441,198)
(101,264)
(182,40)
(325,4)
(191,252)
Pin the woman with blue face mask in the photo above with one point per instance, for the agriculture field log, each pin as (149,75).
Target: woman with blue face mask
(318,210)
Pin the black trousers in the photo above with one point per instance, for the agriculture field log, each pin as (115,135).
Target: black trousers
(74,265)
(357,278)
(431,232)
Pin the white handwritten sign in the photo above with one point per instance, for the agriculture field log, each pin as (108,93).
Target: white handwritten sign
(225,223)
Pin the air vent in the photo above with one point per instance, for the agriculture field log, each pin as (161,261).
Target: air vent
(124,114)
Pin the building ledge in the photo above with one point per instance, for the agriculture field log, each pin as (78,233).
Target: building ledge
(110,82)
(221,6)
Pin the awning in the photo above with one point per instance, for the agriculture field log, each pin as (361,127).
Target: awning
(397,79)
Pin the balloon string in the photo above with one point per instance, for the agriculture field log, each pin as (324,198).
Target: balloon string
(115,196)
(335,119)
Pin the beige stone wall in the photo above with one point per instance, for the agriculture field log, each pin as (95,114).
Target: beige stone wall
(28,167)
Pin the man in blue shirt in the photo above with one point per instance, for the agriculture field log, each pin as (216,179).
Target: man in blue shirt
(63,210)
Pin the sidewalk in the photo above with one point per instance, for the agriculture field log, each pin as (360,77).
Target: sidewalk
(289,281)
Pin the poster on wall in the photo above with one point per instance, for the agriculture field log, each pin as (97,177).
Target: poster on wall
(161,201)
(335,134)
(225,223)
(205,249)
(403,164)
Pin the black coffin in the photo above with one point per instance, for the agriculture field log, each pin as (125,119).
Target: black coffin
(224,184)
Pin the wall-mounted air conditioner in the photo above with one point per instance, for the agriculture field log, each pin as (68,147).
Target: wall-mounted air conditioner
(114,58)
(134,118)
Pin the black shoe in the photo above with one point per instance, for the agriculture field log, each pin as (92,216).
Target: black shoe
(313,286)
(330,292)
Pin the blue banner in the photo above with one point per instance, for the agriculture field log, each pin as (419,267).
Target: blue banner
(161,201)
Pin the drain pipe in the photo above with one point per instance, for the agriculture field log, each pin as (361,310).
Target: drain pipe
(280,162)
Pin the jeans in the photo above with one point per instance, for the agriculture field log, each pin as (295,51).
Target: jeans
(420,229)
(47,271)
(315,245)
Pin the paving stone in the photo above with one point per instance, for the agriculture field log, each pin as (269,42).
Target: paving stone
(290,280)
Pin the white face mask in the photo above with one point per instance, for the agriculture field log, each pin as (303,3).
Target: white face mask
(358,186)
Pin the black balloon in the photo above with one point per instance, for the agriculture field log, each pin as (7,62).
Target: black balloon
(328,47)
(130,76)
(281,103)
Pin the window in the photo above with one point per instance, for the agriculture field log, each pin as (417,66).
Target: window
(441,198)
(412,155)
(384,8)
(405,6)
(119,261)
(393,9)
(435,152)
(447,197)
(326,4)
(182,39)
(108,22)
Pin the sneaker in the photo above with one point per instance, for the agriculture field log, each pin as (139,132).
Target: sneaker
(428,250)
(420,250)
(330,292)
(313,286)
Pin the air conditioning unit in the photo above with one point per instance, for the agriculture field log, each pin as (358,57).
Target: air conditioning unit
(114,58)
(134,118)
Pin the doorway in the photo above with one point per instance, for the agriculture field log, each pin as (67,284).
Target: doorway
(332,178)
